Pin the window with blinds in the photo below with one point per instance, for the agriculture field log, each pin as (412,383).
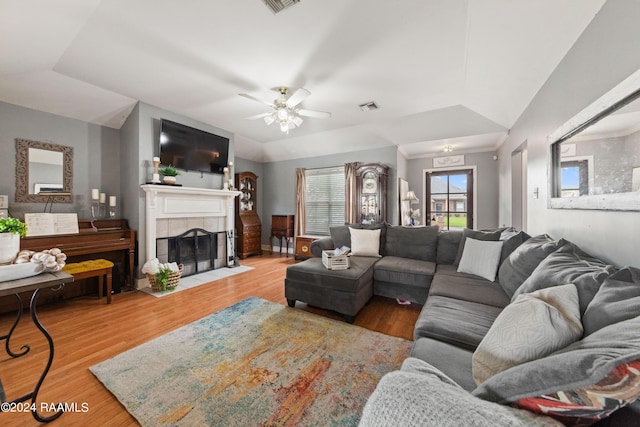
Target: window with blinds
(324,199)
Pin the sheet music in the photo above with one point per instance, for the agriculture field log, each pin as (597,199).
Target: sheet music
(44,224)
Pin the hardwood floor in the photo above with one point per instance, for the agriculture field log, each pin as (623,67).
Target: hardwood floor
(86,331)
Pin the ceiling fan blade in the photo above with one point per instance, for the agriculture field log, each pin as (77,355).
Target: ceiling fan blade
(258,116)
(316,114)
(253,98)
(297,97)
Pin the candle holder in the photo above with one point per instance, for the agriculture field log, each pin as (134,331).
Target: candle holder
(95,209)
(112,211)
(225,182)
(231,176)
(156,174)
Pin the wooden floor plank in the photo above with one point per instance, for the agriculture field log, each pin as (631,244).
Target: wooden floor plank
(87,331)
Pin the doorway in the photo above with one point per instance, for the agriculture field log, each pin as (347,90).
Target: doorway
(450,198)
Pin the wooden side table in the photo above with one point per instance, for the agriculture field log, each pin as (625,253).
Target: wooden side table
(303,247)
(282,228)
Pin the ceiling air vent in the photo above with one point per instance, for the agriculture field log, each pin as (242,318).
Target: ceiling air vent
(368,106)
(279,5)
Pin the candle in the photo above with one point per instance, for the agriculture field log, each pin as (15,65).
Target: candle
(95,194)
(156,159)
(103,197)
(112,200)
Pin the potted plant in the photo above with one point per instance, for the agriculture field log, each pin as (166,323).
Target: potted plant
(11,230)
(169,173)
(162,279)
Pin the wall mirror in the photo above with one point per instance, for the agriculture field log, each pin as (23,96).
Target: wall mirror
(595,157)
(44,172)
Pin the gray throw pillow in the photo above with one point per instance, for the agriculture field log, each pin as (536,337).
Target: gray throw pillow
(448,244)
(617,300)
(476,235)
(524,259)
(412,242)
(341,236)
(569,264)
(511,243)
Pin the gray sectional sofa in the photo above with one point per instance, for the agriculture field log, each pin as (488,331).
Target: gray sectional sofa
(552,335)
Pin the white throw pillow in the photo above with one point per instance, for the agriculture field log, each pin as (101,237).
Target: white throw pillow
(533,326)
(481,257)
(365,242)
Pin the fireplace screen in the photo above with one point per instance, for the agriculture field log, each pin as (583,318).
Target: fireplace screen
(195,249)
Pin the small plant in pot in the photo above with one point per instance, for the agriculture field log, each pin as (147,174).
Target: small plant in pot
(169,173)
(11,230)
(162,279)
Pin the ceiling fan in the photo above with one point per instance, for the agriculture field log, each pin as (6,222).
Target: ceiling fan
(284,111)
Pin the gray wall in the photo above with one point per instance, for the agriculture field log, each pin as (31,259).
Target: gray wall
(600,59)
(279,182)
(487,185)
(96,150)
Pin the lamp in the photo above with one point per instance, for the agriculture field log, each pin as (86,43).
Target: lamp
(414,213)
(411,196)
(285,116)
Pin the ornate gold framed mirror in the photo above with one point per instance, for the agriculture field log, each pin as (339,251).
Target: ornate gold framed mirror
(44,172)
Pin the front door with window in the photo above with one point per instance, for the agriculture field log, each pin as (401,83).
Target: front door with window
(450,198)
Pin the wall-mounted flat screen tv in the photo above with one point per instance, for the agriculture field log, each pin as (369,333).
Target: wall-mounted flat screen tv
(191,149)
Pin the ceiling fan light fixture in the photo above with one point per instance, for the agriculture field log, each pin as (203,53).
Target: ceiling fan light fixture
(269,119)
(282,113)
(285,111)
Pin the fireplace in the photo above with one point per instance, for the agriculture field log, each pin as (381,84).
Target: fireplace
(172,211)
(196,249)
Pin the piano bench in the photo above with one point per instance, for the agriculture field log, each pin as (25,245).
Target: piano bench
(99,268)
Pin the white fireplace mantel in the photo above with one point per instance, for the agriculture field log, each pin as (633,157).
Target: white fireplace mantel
(165,201)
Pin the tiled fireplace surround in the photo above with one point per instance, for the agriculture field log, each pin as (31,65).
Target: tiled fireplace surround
(171,211)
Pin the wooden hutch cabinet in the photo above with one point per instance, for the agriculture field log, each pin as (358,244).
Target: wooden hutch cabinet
(371,192)
(248,226)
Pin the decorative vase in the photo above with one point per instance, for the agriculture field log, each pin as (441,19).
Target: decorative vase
(9,247)
(169,179)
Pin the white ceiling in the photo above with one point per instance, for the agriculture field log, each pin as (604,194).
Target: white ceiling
(456,72)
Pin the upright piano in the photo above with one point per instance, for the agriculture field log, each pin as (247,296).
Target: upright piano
(110,239)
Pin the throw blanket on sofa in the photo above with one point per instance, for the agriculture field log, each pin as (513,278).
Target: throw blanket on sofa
(421,395)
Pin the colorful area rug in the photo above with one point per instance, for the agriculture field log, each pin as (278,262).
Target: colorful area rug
(254,363)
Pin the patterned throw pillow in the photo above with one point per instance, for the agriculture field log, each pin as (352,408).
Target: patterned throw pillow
(587,405)
(532,327)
